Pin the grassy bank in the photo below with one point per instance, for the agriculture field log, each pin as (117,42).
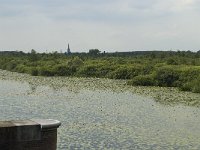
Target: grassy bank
(165,69)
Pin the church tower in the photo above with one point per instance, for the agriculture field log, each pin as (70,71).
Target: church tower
(68,50)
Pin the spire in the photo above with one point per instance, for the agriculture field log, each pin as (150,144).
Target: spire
(68,50)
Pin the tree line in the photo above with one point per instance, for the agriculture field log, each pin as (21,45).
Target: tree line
(140,68)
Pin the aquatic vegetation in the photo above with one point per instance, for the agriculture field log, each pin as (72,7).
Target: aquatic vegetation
(163,95)
(104,113)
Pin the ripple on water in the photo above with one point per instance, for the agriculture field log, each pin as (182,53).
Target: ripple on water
(101,113)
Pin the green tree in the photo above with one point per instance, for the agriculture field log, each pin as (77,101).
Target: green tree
(94,52)
(33,55)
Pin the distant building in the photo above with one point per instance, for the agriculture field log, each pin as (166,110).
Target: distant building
(68,50)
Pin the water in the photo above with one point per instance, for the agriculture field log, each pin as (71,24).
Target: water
(100,113)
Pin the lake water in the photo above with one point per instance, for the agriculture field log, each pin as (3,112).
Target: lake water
(101,113)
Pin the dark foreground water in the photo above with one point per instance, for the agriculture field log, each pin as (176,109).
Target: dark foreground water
(100,114)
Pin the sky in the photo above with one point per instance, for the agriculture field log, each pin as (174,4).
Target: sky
(108,25)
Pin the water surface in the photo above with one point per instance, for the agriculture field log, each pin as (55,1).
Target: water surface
(102,113)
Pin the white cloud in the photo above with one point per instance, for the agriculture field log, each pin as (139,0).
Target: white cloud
(106,24)
(175,5)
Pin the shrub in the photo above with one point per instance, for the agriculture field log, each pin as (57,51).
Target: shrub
(21,68)
(34,71)
(126,72)
(167,76)
(104,71)
(11,65)
(193,86)
(63,70)
(143,80)
(88,71)
(46,71)
(196,86)
(171,61)
(121,73)
(186,87)
(189,73)
(75,62)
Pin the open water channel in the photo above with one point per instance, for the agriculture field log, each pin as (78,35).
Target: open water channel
(102,113)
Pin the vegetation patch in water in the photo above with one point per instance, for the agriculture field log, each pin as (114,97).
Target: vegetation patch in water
(163,95)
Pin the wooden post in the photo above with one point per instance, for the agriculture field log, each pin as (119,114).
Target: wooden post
(36,134)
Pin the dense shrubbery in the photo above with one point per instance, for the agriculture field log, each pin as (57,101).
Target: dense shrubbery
(167,76)
(193,85)
(144,80)
(170,69)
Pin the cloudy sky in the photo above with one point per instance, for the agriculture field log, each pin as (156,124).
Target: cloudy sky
(109,25)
